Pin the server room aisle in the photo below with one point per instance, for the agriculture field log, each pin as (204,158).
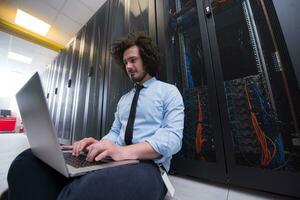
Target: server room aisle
(186,188)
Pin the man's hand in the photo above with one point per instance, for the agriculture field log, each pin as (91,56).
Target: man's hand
(105,148)
(81,145)
(97,150)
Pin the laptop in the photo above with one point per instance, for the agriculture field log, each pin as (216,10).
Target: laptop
(42,135)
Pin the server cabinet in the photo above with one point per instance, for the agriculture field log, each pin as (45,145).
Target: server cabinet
(51,90)
(258,95)
(94,92)
(63,96)
(56,84)
(48,83)
(75,83)
(125,16)
(82,80)
(87,113)
(183,40)
(66,130)
(115,81)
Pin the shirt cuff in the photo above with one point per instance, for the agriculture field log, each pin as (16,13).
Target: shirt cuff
(161,159)
(110,137)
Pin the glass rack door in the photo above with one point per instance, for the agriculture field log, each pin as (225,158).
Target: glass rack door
(259,94)
(188,66)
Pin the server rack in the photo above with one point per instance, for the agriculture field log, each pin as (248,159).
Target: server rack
(75,82)
(182,34)
(48,81)
(64,96)
(58,79)
(89,78)
(52,84)
(246,68)
(102,62)
(94,96)
(258,95)
(66,129)
(88,94)
(82,80)
(114,78)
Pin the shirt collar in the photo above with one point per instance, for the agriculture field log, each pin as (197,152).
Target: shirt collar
(149,82)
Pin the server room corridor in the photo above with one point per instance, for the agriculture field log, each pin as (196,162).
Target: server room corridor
(234,63)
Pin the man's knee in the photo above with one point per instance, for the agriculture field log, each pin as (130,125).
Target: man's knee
(19,164)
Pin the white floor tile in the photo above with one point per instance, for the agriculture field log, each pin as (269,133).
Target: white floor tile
(10,146)
(247,194)
(192,189)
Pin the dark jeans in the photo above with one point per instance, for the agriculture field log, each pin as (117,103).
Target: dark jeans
(30,178)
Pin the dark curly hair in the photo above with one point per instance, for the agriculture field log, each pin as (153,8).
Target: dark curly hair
(148,51)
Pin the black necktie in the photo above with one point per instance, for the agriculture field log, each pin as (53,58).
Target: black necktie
(129,127)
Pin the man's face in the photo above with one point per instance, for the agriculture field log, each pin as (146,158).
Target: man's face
(134,65)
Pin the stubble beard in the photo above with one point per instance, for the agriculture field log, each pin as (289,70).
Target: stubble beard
(138,79)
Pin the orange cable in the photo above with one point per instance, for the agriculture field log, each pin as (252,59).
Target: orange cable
(199,130)
(266,156)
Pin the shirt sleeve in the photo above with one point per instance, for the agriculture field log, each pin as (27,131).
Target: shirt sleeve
(115,128)
(167,140)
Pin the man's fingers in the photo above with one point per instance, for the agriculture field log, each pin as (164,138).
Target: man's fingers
(93,146)
(92,154)
(81,145)
(66,147)
(74,148)
(90,141)
(78,148)
(102,155)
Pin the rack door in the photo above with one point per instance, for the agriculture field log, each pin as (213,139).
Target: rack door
(258,95)
(183,41)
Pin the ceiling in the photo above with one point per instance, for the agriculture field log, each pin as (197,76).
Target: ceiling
(66,17)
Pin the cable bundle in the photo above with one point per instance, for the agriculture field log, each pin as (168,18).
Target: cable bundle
(199,130)
(263,139)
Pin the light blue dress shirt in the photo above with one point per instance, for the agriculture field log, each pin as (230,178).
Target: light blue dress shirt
(159,119)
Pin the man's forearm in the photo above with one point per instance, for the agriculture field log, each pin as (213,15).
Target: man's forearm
(142,151)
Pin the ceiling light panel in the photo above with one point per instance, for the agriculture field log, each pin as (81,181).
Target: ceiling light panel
(31,23)
(19,57)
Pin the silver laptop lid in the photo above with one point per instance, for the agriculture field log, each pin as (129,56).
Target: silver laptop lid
(39,127)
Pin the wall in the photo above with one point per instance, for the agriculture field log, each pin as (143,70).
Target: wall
(4,102)
(290,25)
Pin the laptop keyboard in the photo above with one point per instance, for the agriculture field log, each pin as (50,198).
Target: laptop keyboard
(81,161)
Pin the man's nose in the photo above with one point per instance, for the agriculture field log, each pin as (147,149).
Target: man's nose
(129,65)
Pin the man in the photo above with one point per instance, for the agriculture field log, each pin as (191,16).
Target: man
(150,132)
